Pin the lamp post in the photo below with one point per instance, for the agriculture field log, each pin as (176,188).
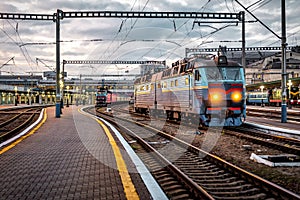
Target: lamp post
(68,87)
(289,94)
(16,93)
(43,97)
(28,100)
(262,94)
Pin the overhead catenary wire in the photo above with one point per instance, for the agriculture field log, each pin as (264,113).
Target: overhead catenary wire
(127,34)
(178,28)
(116,35)
(24,52)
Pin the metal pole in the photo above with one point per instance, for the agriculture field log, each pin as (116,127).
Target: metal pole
(58,95)
(63,85)
(283,64)
(244,54)
(243,42)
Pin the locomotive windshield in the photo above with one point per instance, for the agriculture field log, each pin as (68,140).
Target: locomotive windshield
(223,73)
(101,92)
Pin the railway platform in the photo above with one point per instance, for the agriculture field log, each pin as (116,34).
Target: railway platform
(73,157)
(275,123)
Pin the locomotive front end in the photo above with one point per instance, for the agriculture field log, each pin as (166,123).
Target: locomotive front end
(224,103)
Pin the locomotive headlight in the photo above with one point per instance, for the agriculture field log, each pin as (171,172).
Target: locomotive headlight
(216,98)
(236,97)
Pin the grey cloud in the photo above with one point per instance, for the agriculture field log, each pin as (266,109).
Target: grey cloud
(133,46)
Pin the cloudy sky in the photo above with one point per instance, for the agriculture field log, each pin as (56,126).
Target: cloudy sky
(131,39)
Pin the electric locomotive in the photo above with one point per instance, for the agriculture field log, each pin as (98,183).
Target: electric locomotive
(203,89)
(103,97)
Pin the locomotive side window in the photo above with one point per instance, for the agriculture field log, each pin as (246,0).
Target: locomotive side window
(152,86)
(186,81)
(197,75)
(176,82)
(172,83)
(164,84)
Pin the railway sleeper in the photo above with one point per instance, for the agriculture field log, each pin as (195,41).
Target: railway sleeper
(230,180)
(174,187)
(199,162)
(192,163)
(203,171)
(171,192)
(250,192)
(183,196)
(196,163)
(228,188)
(208,176)
(200,174)
(221,183)
(176,193)
(170,184)
(166,179)
(154,168)
(213,170)
(252,197)
(149,161)
(162,175)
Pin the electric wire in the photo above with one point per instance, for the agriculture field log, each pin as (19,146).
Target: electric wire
(127,34)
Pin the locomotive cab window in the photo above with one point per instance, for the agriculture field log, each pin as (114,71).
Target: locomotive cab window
(224,73)
(197,75)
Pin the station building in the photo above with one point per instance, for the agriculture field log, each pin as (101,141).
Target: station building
(41,89)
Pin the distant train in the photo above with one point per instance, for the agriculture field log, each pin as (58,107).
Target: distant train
(272,97)
(103,97)
(203,89)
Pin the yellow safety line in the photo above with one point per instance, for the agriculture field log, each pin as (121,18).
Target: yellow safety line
(25,136)
(128,186)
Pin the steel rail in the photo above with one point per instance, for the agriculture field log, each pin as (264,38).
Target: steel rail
(194,188)
(12,132)
(264,184)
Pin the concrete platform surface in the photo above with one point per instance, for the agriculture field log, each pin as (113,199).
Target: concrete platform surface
(66,158)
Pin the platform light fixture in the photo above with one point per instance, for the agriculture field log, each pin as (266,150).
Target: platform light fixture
(16,93)
(262,88)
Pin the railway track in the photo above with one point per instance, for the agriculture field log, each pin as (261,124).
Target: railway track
(284,142)
(272,139)
(271,113)
(193,172)
(13,121)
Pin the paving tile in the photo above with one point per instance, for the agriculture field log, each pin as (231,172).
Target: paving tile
(53,163)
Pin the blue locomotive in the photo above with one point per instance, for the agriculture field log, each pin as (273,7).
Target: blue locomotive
(103,97)
(203,89)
